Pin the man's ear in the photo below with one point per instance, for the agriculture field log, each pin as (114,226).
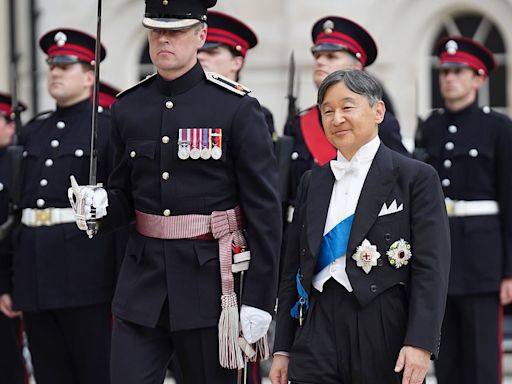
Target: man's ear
(380,111)
(202,36)
(89,78)
(238,63)
(479,80)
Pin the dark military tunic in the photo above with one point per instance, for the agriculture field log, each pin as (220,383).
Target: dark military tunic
(11,366)
(471,151)
(151,178)
(57,266)
(303,159)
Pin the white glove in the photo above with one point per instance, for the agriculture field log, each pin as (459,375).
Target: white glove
(254,322)
(85,198)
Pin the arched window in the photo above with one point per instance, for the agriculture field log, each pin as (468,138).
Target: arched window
(146,66)
(481,29)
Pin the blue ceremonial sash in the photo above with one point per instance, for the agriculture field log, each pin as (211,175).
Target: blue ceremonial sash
(334,244)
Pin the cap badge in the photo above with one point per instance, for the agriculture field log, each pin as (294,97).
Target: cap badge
(328,26)
(399,253)
(366,256)
(451,47)
(60,38)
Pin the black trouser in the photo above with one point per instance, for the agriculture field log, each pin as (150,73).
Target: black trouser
(70,346)
(140,355)
(11,361)
(341,342)
(470,340)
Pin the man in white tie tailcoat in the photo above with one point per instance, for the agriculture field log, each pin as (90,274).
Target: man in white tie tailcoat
(365,275)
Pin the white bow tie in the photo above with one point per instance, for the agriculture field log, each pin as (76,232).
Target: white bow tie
(340,168)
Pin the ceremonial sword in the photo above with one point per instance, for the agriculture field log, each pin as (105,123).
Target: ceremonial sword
(93,165)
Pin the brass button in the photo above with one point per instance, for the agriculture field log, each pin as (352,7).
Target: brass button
(40,203)
(61,124)
(48,162)
(132,154)
(54,143)
(165,175)
(167,212)
(169,104)
(43,182)
(165,139)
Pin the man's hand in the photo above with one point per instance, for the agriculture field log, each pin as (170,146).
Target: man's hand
(506,291)
(414,361)
(279,370)
(255,323)
(6,306)
(89,202)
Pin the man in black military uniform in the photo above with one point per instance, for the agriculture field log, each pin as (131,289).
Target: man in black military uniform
(363,288)
(63,282)
(11,362)
(194,167)
(470,148)
(339,43)
(227,43)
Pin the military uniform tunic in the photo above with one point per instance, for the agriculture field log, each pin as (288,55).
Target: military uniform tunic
(11,364)
(57,266)
(151,178)
(471,150)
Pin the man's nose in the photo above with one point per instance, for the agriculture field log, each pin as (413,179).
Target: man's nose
(339,117)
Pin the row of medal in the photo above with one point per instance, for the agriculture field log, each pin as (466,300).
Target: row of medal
(200,143)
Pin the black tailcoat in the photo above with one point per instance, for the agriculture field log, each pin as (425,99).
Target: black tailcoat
(422,223)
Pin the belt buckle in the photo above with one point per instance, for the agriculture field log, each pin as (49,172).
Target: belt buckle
(450,207)
(43,217)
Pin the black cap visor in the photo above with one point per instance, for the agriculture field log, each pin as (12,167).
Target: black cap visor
(328,47)
(65,59)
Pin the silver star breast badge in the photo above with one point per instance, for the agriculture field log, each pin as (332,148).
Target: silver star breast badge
(366,256)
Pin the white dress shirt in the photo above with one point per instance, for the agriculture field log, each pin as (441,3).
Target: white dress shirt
(344,198)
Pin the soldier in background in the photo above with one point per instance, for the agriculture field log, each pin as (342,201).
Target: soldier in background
(11,361)
(470,147)
(107,96)
(227,43)
(63,282)
(339,43)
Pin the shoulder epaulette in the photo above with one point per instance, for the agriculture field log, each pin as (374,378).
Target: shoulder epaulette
(224,82)
(122,93)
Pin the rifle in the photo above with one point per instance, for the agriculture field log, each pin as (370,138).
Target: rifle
(284,146)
